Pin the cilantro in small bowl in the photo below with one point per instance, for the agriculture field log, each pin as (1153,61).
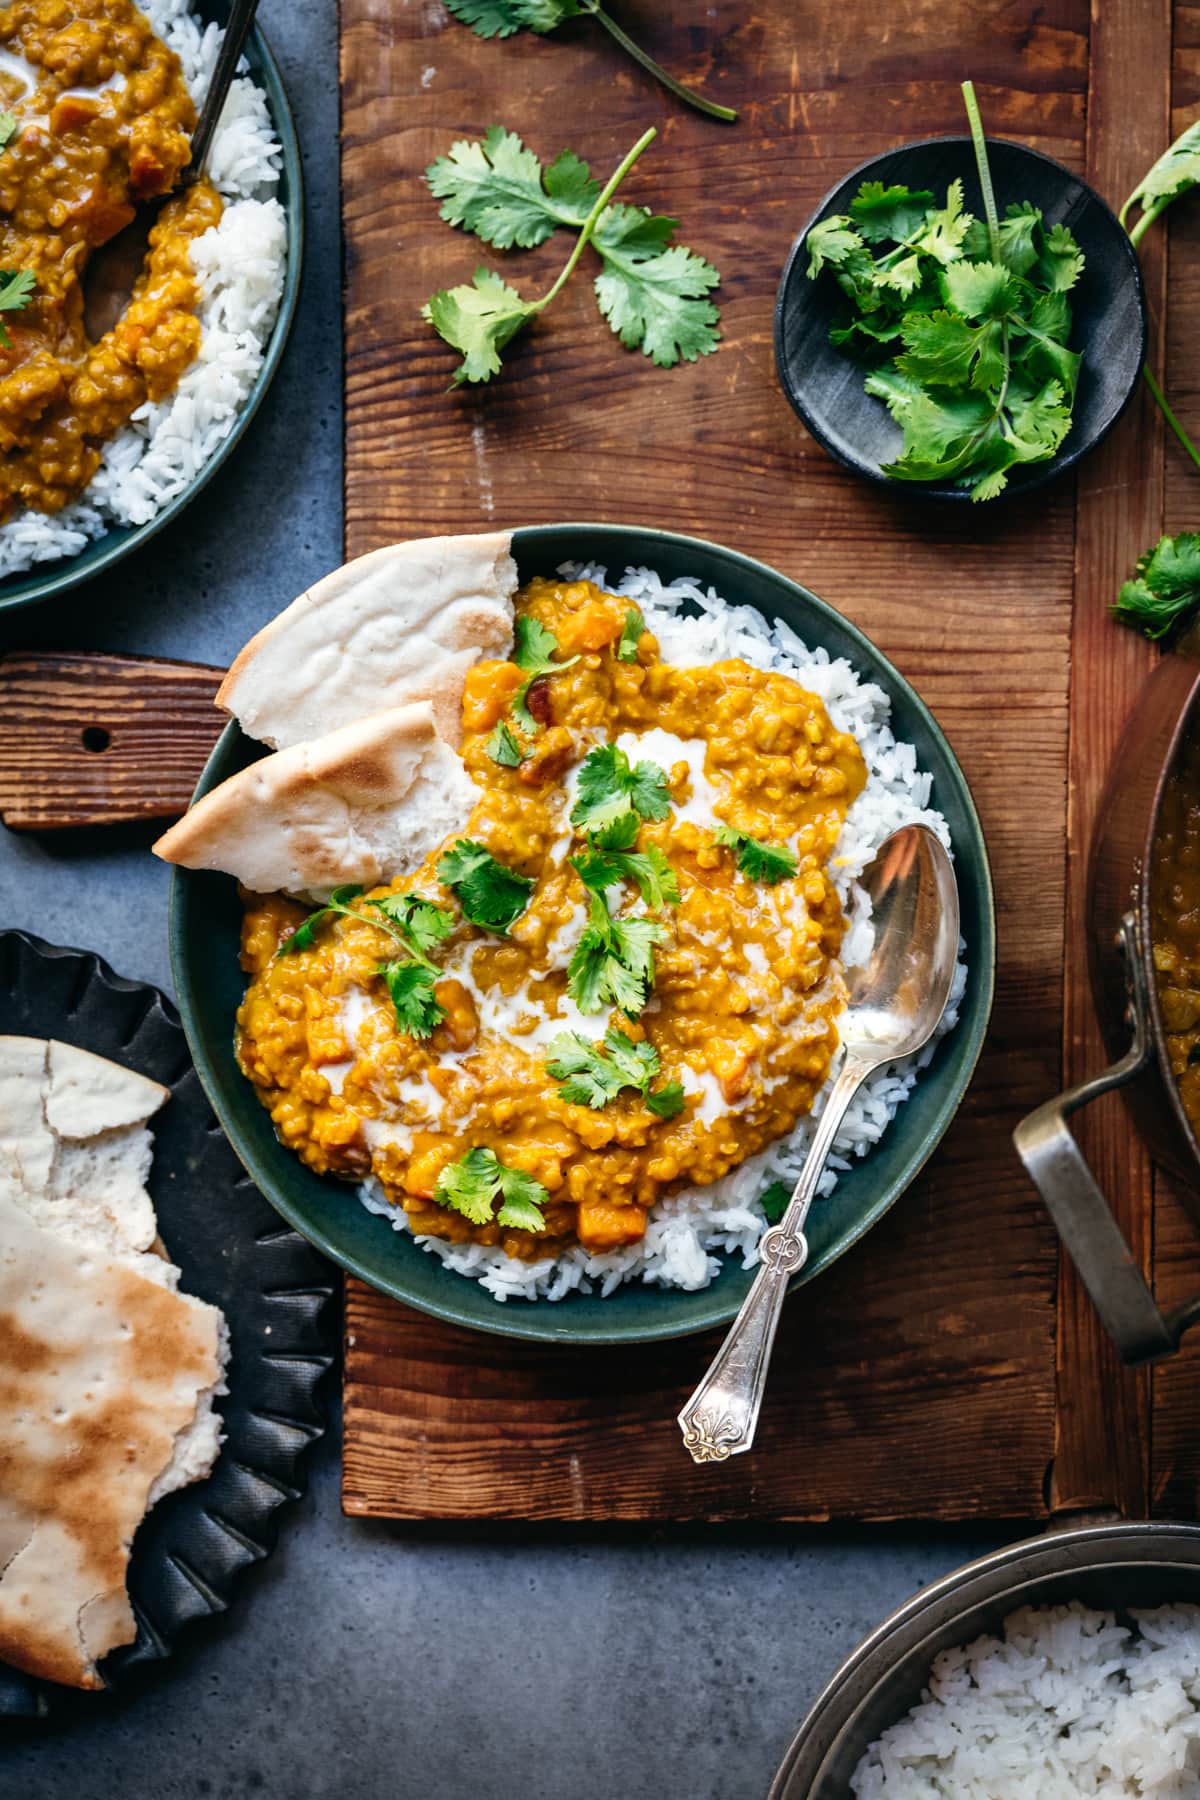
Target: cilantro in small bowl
(953,344)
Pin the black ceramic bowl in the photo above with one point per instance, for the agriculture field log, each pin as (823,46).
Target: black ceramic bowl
(826,386)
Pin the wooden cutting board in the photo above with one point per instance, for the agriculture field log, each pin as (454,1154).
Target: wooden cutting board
(949,1367)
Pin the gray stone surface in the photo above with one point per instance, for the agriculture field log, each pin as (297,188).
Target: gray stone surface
(362,1662)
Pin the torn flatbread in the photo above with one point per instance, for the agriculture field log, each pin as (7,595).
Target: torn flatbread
(402,624)
(107,1374)
(361,805)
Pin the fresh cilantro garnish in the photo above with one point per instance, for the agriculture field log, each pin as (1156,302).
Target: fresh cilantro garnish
(774,1201)
(1164,593)
(534,650)
(631,632)
(473,1185)
(758,861)
(500,18)
(8,129)
(410,984)
(613,963)
(504,749)
(417,925)
(1175,173)
(490,893)
(593,1074)
(611,858)
(653,292)
(962,323)
(609,788)
(16,290)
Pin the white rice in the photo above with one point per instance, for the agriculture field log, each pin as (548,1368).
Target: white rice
(240,266)
(688,1233)
(1068,1704)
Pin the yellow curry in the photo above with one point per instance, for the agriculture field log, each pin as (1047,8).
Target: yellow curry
(1175,923)
(102,121)
(746,986)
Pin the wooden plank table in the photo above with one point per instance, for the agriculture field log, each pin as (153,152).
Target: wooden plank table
(950,1366)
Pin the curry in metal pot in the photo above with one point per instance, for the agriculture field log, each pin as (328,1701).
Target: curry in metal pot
(97,117)
(620,980)
(1175,923)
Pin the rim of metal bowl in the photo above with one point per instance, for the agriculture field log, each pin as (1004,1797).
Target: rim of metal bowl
(1032,476)
(540,1322)
(30,587)
(1056,1554)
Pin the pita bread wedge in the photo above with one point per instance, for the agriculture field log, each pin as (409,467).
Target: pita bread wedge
(107,1374)
(402,624)
(362,804)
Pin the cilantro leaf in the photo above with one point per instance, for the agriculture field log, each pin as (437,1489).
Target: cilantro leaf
(609,787)
(490,893)
(882,212)
(832,243)
(653,293)
(302,938)
(422,922)
(479,320)
(488,18)
(472,1185)
(16,291)
(504,749)
(592,1074)
(1164,593)
(1175,173)
(774,1201)
(649,868)
(8,129)
(534,650)
(631,633)
(613,962)
(410,984)
(770,863)
(499,190)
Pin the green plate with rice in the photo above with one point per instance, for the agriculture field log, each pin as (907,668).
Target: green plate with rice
(912,769)
(137,479)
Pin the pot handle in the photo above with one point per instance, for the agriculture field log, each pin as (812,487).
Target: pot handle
(1085,1223)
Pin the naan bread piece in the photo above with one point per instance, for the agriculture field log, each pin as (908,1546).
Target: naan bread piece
(402,624)
(74,1148)
(362,804)
(106,1383)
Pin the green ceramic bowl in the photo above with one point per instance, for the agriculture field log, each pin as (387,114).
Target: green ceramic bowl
(57,577)
(204,928)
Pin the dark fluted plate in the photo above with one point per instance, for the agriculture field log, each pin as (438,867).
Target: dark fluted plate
(234,1251)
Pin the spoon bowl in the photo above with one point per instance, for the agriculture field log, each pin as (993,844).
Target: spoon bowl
(896,999)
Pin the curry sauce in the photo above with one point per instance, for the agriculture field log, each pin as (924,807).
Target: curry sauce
(103,118)
(1175,923)
(747,987)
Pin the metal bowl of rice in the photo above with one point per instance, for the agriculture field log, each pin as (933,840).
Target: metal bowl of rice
(697,1259)
(248,268)
(1066,1665)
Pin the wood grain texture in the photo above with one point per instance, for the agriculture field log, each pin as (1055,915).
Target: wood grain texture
(1102,1453)
(939,1330)
(89,739)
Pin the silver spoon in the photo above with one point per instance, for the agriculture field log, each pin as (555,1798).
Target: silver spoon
(895,1002)
(115,266)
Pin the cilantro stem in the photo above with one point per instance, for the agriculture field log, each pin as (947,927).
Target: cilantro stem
(1168,414)
(688,95)
(981,163)
(589,224)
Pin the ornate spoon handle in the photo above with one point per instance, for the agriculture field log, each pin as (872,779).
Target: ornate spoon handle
(720,1418)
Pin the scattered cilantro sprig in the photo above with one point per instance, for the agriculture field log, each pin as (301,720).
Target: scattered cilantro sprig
(501,18)
(610,788)
(757,860)
(613,962)
(1164,592)
(473,1185)
(16,285)
(774,1201)
(963,324)
(593,1074)
(611,857)
(631,635)
(504,748)
(417,925)
(653,292)
(490,893)
(535,649)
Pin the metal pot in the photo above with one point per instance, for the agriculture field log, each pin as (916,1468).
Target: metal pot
(1125,993)
(1112,1567)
